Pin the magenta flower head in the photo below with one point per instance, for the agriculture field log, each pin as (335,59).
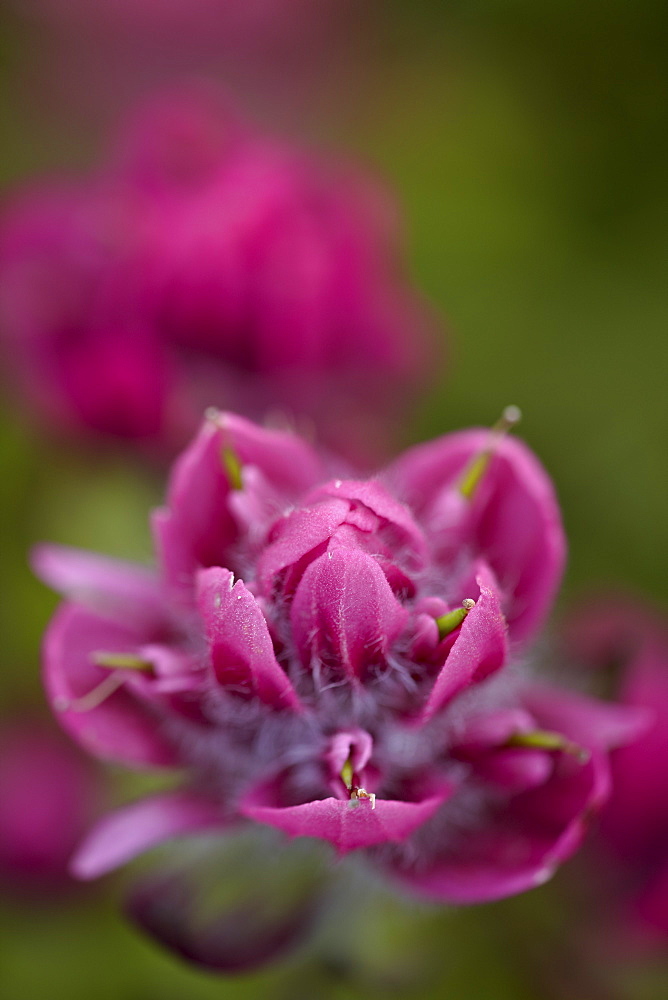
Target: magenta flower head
(623,637)
(339,659)
(204,262)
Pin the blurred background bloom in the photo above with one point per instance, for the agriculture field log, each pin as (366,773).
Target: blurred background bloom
(93,59)
(204,264)
(49,795)
(627,641)
(527,146)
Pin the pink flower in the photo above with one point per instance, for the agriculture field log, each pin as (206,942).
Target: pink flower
(207,264)
(630,640)
(49,794)
(338,659)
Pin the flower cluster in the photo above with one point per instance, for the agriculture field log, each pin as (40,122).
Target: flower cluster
(339,659)
(205,263)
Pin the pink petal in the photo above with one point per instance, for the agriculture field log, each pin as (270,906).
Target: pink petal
(344,612)
(484,732)
(375,496)
(347,825)
(522,842)
(354,743)
(288,462)
(173,670)
(294,537)
(241,648)
(515,769)
(128,832)
(586,721)
(514,521)
(196,527)
(480,648)
(120,590)
(120,727)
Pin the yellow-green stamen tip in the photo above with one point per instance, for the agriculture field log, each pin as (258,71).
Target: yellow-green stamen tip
(232,466)
(347,774)
(539,739)
(448,622)
(120,661)
(477,467)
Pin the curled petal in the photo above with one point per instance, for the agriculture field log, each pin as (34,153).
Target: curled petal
(484,741)
(586,721)
(374,496)
(173,670)
(522,841)
(425,639)
(479,650)
(515,770)
(241,649)
(344,612)
(197,528)
(348,754)
(120,590)
(347,825)
(128,832)
(117,726)
(512,521)
(288,462)
(490,730)
(353,744)
(296,536)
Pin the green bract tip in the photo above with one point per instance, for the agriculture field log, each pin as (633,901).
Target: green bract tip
(232,466)
(539,739)
(477,467)
(120,661)
(447,623)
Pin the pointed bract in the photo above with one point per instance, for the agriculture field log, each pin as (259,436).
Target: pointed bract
(351,825)
(480,649)
(344,614)
(512,521)
(242,655)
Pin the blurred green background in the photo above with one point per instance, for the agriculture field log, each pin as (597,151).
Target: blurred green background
(527,147)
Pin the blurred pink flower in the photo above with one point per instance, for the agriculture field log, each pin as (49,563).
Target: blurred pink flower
(194,20)
(338,659)
(49,794)
(624,636)
(205,264)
